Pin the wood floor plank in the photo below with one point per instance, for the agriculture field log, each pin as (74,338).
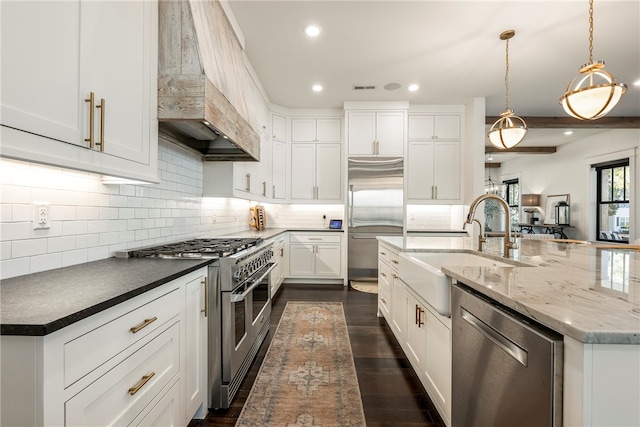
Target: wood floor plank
(392,394)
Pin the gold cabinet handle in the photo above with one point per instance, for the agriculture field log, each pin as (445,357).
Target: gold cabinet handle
(133,390)
(416,316)
(248,182)
(101,107)
(383,253)
(420,313)
(383,274)
(205,310)
(394,261)
(91,101)
(264,188)
(383,301)
(143,325)
(395,276)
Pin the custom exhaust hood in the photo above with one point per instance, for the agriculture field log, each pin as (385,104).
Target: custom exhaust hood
(196,44)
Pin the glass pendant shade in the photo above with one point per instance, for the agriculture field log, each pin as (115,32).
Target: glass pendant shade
(592,94)
(507,131)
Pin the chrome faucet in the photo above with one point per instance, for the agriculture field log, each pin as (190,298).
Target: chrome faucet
(508,244)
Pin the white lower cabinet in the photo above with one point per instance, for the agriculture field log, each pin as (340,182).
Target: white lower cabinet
(315,255)
(278,273)
(195,372)
(166,412)
(120,395)
(141,362)
(427,345)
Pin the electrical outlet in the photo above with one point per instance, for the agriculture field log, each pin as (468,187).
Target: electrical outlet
(40,216)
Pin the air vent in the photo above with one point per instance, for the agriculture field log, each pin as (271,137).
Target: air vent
(360,87)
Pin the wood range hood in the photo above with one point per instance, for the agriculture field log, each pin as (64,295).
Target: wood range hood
(200,68)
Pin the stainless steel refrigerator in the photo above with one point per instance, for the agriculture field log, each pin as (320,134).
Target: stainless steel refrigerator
(374,207)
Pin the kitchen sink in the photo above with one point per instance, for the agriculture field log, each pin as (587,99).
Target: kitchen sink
(422,272)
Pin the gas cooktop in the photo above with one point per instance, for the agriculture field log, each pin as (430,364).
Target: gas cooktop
(197,248)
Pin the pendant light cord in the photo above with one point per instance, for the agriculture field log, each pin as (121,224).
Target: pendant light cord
(590,31)
(506,75)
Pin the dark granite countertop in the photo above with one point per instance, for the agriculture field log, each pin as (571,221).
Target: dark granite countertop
(41,303)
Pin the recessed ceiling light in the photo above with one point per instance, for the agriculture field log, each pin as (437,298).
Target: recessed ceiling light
(569,132)
(317,88)
(414,87)
(312,30)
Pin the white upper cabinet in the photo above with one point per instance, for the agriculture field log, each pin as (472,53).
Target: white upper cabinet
(316,130)
(315,172)
(430,127)
(278,172)
(61,52)
(278,127)
(376,133)
(433,169)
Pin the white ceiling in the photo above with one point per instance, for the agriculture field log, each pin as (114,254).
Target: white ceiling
(450,48)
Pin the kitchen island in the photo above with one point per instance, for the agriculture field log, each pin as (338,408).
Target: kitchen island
(591,295)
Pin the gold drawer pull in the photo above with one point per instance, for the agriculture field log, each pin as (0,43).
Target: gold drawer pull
(383,253)
(383,275)
(205,310)
(102,108)
(143,325)
(91,101)
(394,261)
(133,390)
(395,276)
(383,301)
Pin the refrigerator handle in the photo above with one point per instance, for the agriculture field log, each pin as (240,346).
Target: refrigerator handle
(350,219)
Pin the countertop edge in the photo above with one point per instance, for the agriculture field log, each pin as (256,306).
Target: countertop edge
(60,323)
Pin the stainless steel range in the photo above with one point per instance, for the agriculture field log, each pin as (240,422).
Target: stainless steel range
(239,300)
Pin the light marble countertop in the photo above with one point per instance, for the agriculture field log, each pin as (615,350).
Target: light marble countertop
(591,294)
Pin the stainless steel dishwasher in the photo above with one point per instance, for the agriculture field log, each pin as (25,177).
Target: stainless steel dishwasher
(507,370)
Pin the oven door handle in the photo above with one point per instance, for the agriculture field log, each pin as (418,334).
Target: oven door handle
(237,297)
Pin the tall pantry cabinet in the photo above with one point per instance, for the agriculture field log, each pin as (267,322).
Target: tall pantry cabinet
(81,89)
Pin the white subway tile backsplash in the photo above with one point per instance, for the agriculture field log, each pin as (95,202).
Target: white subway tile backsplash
(30,247)
(109,213)
(21,212)
(6,212)
(74,227)
(46,262)
(61,244)
(87,240)
(15,267)
(78,256)
(126,213)
(15,230)
(62,212)
(5,250)
(88,212)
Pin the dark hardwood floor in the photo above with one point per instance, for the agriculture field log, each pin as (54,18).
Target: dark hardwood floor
(391,392)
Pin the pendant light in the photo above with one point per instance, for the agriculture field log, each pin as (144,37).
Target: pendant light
(594,92)
(509,130)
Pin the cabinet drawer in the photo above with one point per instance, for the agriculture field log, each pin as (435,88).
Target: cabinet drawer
(315,239)
(109,400)
(384,254)
(384,273)
(88,351)
(394,260)
(385,303)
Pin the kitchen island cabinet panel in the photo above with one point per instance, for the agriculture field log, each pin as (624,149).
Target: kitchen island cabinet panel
(105,48)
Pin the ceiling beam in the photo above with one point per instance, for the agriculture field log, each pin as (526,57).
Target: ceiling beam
(517,149)
(571,123)
(488,165)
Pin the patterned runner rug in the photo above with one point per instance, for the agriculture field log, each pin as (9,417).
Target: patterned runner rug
(308,378)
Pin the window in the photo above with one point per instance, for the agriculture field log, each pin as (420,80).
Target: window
(512,196)
(613,190)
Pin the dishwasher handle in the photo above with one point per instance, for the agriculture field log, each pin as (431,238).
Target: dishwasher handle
(496,337)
